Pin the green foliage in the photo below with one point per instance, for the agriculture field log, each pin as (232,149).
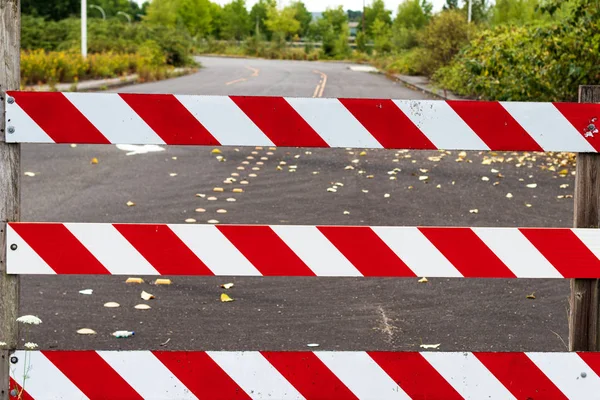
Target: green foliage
(354,16)
(479,10)
(60,9)
(412,16)
(517,12)
(282,23)
(376,11)
(235,20)
(258,14)
(450,5)
(539,63)
(332,30)
(443,38)
(362,42)
(382,36)
(303,16)
(195,15)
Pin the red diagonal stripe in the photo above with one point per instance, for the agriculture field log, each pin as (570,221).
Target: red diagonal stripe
(201,375)
(580,115)
(163,249)
(494,125)
(592,360)
(24,394)
(415,375)
(92,375)
(565,251)
(388,124)
(366,251)
(58,117)
(520,375)
(309,375)
(59,248)
(467,252)
(169,119)
(265,250)
(279,121)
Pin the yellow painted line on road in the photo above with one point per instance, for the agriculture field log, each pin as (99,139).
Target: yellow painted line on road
(236,81)
(255,71)
(321,86)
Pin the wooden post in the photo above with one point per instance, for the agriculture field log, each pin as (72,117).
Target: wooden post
(10,173)
(584,316)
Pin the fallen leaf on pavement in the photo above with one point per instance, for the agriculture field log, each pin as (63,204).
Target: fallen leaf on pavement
(212,221)
(386,195)
(162,281)
(142,307)
(532,185)
(423,178)
(225,298)
(238,190)
(130,204)
(474,211)
(362,153)
(200,195)
(134,280)
(430,346)
(86,331)
(346,212)
(86,291)
(111,304)
(531,296)
(231,199)
(485,178)
(509,195)
(173,174)
(349,167)
(211,198)
(312,345)
(423,280)
(94,161)
(29,174)
(221,211)
(215,151)
(146,296)
(200,210)
(227,285)
(123,334)
(564,186)
(190,220)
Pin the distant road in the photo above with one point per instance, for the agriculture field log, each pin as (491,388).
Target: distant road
(289,313)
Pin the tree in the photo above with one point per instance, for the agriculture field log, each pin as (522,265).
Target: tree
(376,11)
(303,16)
(517,12)
(451,5)
(195,16)
(282,23)
(411,17)
(236,20)
(355,16)
(479,10)
(55,9)
(332,30)
(258,15)
(382,36)
(162,12)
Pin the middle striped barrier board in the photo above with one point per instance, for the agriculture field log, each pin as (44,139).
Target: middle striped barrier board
(373,375)
(288,250)
(111,118)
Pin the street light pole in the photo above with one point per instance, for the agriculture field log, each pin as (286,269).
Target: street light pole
(99,9)
(125,14)
(84,28)
(470,10)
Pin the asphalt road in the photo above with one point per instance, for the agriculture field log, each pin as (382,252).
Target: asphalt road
(289,313)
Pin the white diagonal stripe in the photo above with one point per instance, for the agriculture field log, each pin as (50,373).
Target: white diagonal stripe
(255,375)
(590,238)
(517,253)
(548,127)
(26,129)
(317,252)
(441,124)
(114,118)
(363,376)
(417,252)
(468,376)
(23,260)
(147,375)
(43,379)
(565,371)
(111,249)
(225,120)
(215,250)
(333,122)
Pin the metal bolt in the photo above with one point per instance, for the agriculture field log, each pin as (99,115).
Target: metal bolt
(583,374)
(591,127)
(14,392)
(13,246)
(11,129)
(10,100)
(14,359)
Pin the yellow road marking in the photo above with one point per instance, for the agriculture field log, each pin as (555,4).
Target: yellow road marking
(321,86)
(255,71)
(236,81)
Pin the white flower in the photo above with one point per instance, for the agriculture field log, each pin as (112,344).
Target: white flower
(30,345)
(2,344)
(29,319)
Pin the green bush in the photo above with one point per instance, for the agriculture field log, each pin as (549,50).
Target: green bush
(541,63)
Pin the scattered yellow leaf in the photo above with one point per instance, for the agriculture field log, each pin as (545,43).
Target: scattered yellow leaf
(162,281)
(563,172)
(346,212)
(142,307)
(509,195)
(111,304)
(221,211)
(212,221)
(474,211)
(532,185)
(29,174)
(130,204)
(146,296)
(531,296)
(362,153)
(527,205)
(94,161)
(218,189)
(485,178)
(423,178)
(564,186)
(86,331)
(212,198)
(227,285)
(423,280)
(430,346)
(215,151)
(200,210)
(190,220)
(134,280)
(238,190)
(225,298)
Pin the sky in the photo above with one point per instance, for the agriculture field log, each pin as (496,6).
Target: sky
(321,5)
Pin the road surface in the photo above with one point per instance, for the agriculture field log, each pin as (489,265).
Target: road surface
(289,313)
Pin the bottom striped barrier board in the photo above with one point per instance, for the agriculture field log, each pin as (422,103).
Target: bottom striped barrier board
(219,375)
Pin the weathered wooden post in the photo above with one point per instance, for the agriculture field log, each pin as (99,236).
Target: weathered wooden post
(10,167)
(584,317)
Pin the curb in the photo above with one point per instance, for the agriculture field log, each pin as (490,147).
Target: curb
(430,91)
(100,84)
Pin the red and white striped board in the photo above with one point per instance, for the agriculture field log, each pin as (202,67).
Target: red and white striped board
(107,118)
(328,375)
(287,250)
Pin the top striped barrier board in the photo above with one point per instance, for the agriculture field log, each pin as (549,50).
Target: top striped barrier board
(92,118)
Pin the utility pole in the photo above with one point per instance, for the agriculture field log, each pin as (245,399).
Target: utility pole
(84,28)
(470,11)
